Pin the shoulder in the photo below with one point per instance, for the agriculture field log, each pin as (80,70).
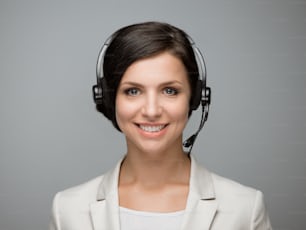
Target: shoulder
(79,195)
(220,186)
(241,202)
(91,190)
(70,206)
(230,193)
(237,203)
(225,186)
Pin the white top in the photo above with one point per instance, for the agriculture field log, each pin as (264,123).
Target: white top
(139,220)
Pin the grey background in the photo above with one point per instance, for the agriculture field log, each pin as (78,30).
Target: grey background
(52,138)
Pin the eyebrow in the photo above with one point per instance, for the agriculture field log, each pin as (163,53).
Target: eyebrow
(162,84)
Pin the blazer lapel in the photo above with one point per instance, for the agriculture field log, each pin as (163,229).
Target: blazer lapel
(201,205)
(104,216)
(105,211)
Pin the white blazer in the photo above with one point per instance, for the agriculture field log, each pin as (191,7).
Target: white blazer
(213,203)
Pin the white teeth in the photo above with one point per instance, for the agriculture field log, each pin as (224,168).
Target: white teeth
(152,128)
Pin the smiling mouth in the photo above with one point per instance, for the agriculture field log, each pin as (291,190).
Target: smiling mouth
(152,128)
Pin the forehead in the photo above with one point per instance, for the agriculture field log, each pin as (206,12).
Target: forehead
(156,69)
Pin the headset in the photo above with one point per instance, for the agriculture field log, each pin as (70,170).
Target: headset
(201,96)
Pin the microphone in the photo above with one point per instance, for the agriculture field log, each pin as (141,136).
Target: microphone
(191,140)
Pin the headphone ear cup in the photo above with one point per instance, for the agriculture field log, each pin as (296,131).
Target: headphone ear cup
(102,98)
(98,91)
(197,95)
(206,97)
(99,96)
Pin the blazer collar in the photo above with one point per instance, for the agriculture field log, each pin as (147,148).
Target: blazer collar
(105,211)
(201,203)
(201,184)
(200,208)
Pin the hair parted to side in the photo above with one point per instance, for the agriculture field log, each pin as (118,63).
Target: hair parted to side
(139,41)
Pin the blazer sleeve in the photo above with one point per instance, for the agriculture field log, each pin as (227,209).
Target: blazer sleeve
(54,222)
(260,218)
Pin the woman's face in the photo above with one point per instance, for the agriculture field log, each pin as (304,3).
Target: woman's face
(152,103)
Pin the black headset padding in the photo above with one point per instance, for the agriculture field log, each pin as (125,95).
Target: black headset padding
(197,95)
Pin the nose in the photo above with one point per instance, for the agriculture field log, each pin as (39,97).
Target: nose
(152,107)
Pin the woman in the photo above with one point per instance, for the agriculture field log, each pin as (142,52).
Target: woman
(153,77)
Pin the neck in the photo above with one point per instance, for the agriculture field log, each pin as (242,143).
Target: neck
(152,171)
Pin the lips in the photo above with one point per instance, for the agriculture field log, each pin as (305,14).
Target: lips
(152,128)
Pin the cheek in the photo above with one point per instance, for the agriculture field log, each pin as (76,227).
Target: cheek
(179,111)
(124,111)
(120,111)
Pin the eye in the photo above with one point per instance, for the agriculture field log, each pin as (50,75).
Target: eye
(170,91)
(132,92)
